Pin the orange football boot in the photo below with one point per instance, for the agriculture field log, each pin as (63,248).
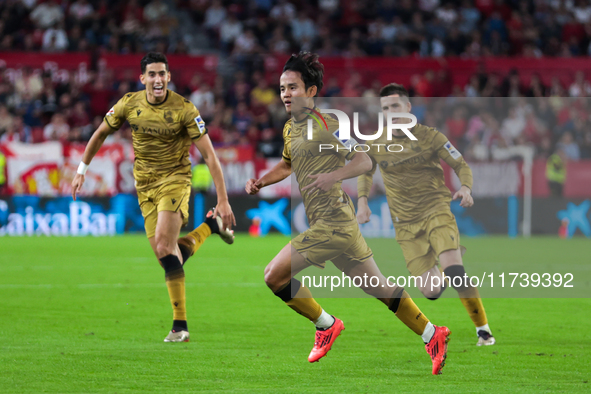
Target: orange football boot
(325,339)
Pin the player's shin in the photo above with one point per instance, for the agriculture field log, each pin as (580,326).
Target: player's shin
(300,300)
(175,282)
(409,313)
(469,296)
(193,241)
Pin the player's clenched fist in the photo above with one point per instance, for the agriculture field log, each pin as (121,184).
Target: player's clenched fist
(253,186)
(77,183)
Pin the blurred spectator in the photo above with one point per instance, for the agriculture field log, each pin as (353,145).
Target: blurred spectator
(80,11)
(75,135)
(6,119)
(57,129)
(47,14)
(456,125)
(568,145)
(585,145)
(278,44)
(155,10)
(230,29)
(2,172)
(79,116)
(283,11)
(513,125)
(55,39)
(303,28)
(204,99)
(332,88)
(246,43)
(263,93)
(556,173)
(250,32)
(242,118)
(271,143)
(28,83)
(215,15)
(580,87)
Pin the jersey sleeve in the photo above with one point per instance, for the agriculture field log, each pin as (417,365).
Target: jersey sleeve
(193,122)
(365,181)
(448,153)
(287,142)
(117,115)
(342,146)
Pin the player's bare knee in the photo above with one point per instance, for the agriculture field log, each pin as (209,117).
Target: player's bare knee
(431,293)
(164,248)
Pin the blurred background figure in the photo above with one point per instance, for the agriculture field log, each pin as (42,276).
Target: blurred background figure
(556,172)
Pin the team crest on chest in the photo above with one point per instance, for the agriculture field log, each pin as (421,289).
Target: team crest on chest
(414,146)
(168,116)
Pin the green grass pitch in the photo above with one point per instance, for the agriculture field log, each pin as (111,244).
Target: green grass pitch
(90,314)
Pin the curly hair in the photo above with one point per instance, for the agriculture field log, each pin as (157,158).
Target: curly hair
(309,67)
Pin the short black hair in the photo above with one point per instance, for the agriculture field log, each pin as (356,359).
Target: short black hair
(153,57)
(394,88)
(309,67)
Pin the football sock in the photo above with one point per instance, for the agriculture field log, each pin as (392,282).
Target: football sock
(428,333)
(175,282)
(469,296)
(324,321)
(484,328)
(193,241)
(408,312)
(300,300)
(212,223)
(185,245)
(179,325)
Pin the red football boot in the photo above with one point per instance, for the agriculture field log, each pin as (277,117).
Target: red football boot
(325,339)
(437,348)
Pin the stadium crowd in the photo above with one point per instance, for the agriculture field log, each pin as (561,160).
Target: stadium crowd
(244,107)
(354,28)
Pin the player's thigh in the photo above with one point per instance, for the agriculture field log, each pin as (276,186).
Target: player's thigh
(417,251)
(357,252)
(287,263)
(444,237)
(321,243)
(168,229)
(174,197)
(367,273)
(449,258)
(149,212)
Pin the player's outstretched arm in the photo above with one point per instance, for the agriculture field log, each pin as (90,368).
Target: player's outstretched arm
(455,160)
(278,173)
(223,208)
(93,146)
(364,184)
(360,164)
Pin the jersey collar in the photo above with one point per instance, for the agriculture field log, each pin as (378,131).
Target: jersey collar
(157,104)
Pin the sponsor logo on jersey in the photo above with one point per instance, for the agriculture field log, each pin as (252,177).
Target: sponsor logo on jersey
(111,112)
(453,152)
(347,143)
(200,124)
